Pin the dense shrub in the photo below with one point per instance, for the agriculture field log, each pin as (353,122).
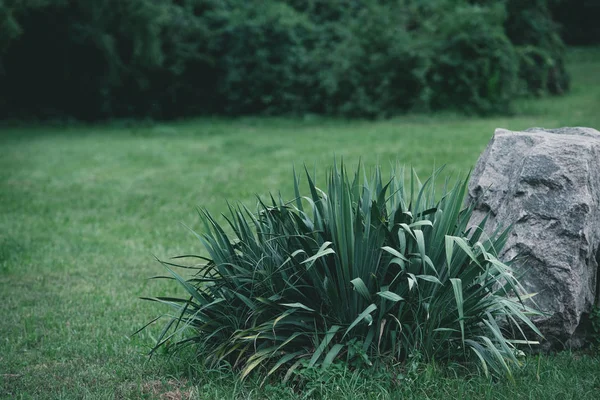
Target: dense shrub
(472,63)
(281,58)
(541,51)
(361,272)
(99,59)
(166,58)
(264,65)
(367,63)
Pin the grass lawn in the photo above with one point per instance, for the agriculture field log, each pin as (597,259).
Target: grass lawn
(84,209)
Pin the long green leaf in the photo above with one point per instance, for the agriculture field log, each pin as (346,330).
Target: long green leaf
(458,296)
(363,315)
(361,288)
(323,345)
(390,296)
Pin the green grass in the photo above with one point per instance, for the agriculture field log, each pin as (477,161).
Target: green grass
(84,209)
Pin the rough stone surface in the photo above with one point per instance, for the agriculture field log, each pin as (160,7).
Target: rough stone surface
(546,183)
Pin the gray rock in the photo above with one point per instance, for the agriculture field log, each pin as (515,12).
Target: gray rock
(546,183)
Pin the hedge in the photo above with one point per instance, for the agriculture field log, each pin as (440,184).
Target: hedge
(353,58)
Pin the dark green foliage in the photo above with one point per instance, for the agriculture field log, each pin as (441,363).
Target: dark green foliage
(371,58)
(578,20)
(473,64)
(364,62)
(109,58)
(365,271)
(264,64)
(540,48)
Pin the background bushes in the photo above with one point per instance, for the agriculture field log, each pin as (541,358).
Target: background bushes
(168,58)
(540,48)
(471,63)
(578,20)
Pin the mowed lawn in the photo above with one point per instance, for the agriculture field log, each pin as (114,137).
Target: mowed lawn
(84,210)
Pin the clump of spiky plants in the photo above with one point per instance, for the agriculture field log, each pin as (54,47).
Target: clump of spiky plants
(364,271)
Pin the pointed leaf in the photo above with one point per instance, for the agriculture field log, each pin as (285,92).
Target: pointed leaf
(390,296)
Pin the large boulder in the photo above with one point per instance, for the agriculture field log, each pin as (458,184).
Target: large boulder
(546,184)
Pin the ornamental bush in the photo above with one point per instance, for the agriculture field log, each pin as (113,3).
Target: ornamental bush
(363,272)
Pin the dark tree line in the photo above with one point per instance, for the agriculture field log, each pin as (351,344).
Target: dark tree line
(95,59)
